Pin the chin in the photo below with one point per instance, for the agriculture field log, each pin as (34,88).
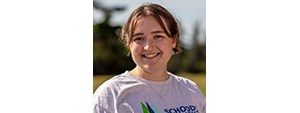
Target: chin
(148,68)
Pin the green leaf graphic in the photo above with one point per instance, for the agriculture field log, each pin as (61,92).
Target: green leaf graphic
(145,110)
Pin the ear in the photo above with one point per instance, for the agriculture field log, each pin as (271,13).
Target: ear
(174,42)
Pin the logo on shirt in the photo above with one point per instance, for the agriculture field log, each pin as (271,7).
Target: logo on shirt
(148,109)
(182,109)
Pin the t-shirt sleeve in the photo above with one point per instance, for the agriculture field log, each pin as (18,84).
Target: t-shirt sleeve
(98,109)
(203,106)
(104,99)
(194,87)
(102,105)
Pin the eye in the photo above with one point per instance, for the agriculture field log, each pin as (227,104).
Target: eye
(138,39)
(158,37)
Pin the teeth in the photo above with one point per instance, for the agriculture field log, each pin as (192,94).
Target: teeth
(151,55)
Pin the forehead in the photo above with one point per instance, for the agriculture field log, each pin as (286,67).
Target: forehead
(148,23)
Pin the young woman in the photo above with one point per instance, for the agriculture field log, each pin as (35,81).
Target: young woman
(151,34)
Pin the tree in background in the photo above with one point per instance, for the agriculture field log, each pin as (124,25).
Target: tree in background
(193,59)
(197,53)
(109,56)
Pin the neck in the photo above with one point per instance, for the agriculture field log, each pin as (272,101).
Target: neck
(157,75)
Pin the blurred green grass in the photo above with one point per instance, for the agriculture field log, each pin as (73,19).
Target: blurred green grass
(199,79)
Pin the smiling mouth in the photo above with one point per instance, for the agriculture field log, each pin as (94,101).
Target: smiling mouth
(150,55)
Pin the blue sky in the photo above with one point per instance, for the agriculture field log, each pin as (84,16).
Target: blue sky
(186,11)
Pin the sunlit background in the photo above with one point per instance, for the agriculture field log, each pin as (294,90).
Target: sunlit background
(110,57)
(188,13)
(252,54)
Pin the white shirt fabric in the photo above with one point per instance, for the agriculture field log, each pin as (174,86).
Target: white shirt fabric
(126,93)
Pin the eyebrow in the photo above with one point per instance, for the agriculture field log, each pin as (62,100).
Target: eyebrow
(137,34)
(151,32)
(158,32)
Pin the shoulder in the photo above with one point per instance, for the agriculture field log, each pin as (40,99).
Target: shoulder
(186,84)
(111,84)
(116,85)
(189,87)
(106,94)
(183,80)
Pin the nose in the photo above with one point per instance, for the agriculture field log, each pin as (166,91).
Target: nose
(148,45)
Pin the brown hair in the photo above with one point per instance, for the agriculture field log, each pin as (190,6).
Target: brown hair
(159,13)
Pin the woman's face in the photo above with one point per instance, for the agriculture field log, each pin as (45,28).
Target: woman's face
(150,47)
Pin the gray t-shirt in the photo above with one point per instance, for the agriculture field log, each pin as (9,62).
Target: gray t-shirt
(127,93)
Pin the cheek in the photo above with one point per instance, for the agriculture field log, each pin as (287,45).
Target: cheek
(167,51)
(167,46)
(134,49)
